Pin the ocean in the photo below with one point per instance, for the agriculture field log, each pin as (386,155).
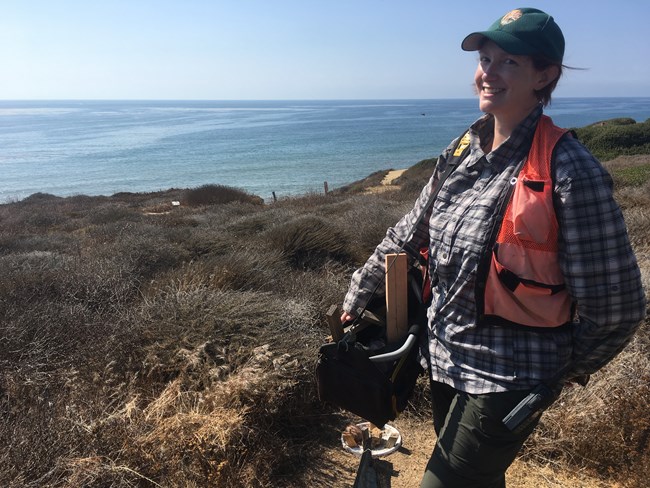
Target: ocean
(263,147)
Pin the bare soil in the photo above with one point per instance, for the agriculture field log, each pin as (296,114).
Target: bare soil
(387,183)
(404,468)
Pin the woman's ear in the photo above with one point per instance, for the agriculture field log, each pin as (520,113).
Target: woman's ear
(547,75)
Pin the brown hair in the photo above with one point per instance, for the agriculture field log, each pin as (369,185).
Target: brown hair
(541,62)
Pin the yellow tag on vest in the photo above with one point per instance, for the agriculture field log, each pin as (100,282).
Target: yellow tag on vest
(462,145)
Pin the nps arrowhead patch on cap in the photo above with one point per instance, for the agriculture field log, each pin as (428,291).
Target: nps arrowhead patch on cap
(523,31)
(511,16)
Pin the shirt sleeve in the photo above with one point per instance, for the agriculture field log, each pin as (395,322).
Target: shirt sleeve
(368,281)
(599,265)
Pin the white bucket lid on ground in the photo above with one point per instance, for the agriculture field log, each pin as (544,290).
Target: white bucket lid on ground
(387,432)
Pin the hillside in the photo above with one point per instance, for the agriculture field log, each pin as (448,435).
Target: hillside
(145,343)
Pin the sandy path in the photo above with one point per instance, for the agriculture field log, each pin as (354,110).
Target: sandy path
(391,176)
(387,182)
(404,468)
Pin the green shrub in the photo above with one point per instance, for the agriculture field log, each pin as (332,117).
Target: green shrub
(609,139)
(631,175)
(615,121)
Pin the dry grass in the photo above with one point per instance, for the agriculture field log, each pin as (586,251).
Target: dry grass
(176,349)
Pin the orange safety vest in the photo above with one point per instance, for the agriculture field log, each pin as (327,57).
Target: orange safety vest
(524,284)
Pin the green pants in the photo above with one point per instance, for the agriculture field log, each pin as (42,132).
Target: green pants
(474,449)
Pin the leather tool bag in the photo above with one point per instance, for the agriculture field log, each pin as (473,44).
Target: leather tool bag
(363,374)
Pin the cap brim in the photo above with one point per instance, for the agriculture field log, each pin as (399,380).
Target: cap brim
(504,40)
(473,41)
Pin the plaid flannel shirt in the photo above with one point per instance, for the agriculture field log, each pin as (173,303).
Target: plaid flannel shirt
(599,267)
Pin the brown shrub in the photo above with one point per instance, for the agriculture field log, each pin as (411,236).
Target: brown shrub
(250,225)
(240,269)
(605,426)
(110,213)
(217,194)
(372,216)
(306,242)
(145,249)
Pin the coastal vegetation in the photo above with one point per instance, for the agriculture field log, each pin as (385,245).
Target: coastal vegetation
(169,338)
(616,137)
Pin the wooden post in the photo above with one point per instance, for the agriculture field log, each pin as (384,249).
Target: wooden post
(396,297)
(334,322)
(275,199)
(326,189)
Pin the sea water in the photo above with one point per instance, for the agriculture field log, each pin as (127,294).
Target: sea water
(263,147)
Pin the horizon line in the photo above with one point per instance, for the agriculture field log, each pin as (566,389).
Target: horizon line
(274,99)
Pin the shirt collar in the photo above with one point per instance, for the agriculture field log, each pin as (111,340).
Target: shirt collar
(514,148)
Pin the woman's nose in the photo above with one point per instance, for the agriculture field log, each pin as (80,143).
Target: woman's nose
(488,72)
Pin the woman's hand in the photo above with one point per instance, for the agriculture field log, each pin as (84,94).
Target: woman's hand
(346,317)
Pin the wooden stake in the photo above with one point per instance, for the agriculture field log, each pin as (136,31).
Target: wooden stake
(396,297)
(334,322)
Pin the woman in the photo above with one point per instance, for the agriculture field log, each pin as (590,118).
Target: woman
(532,270)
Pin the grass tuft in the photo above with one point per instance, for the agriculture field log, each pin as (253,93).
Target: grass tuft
(217,194)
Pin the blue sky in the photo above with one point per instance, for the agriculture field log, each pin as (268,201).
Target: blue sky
(295,49)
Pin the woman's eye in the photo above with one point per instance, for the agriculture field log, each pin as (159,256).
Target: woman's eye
(510,61)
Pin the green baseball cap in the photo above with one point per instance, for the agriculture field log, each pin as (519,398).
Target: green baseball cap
(524,31)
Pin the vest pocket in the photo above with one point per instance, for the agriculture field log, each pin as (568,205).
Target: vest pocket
(532,210)
(523,302)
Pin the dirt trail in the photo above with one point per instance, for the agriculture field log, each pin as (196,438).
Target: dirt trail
(391,176)
(404,468)
(387,182)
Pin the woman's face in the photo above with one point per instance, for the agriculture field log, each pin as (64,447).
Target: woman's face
(506,83)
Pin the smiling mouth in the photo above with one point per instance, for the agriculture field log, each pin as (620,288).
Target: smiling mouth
(491,91)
